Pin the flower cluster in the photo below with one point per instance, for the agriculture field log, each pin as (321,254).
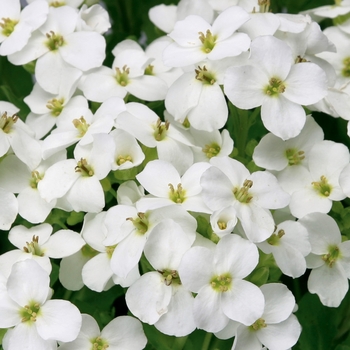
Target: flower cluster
(142,174)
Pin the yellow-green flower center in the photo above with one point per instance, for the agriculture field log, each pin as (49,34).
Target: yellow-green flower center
(160,130)
(6,122)
(140,223)
(186,123)
(203,75)
(294,156)
(222,225)
(110,250)
(99,343)
(149,70)
(242,194)
(258,324)
(34,180)
(221,283)
(54,41)
(84,168)
(208,41)
(8,26)
(122,75)
(332,256)
(123,159)
(30,312)
(275,238)
(264,6)
(56,106)
(275,87)
(211,150)
(346,67)
(57,3)
(81,125)
(33,247)
(170,277)
(178,195)
(322,186)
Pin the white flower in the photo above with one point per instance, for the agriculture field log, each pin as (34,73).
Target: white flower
(196,40)
(158,297)
(17,26)
(287,158)
(8,209)
(277,328)
(131,73)
(165,16)
(202,100)
(129,230)
(18,136)
(78,180)
(166,187)
(38,243)
(17,177)
(320,183)
(228,182)
(123,332)
(217,276)
(47,109)
(329,259)
(289,245)
(60,50)
(38,322)
(211,144)
(275,83)
(145,125)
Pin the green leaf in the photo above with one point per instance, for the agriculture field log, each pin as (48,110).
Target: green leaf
(319,323)
(54,273)
(2,333)
(259,276)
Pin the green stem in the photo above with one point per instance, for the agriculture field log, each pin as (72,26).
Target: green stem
(179,343)
(207,341)
(239,124)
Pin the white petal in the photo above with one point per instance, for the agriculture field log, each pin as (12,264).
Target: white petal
(27,282)
(148,298)
(9,209)
(196,268)
(124,332)
(244,302)
(280,336)
(166,245)
(244,86)
(97,272)
(306,84)
(84,50)
(156,177)
(279,302)
(282,117)
(24,334)
(208,310)
(59,320)
(86,194)
(178,321)
(58,179)
(32,207)
(63,243)
(330,284)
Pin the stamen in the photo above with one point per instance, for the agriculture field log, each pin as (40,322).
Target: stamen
(204,76)
(84,168)
(242,194)
(6,122)
(122,75)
